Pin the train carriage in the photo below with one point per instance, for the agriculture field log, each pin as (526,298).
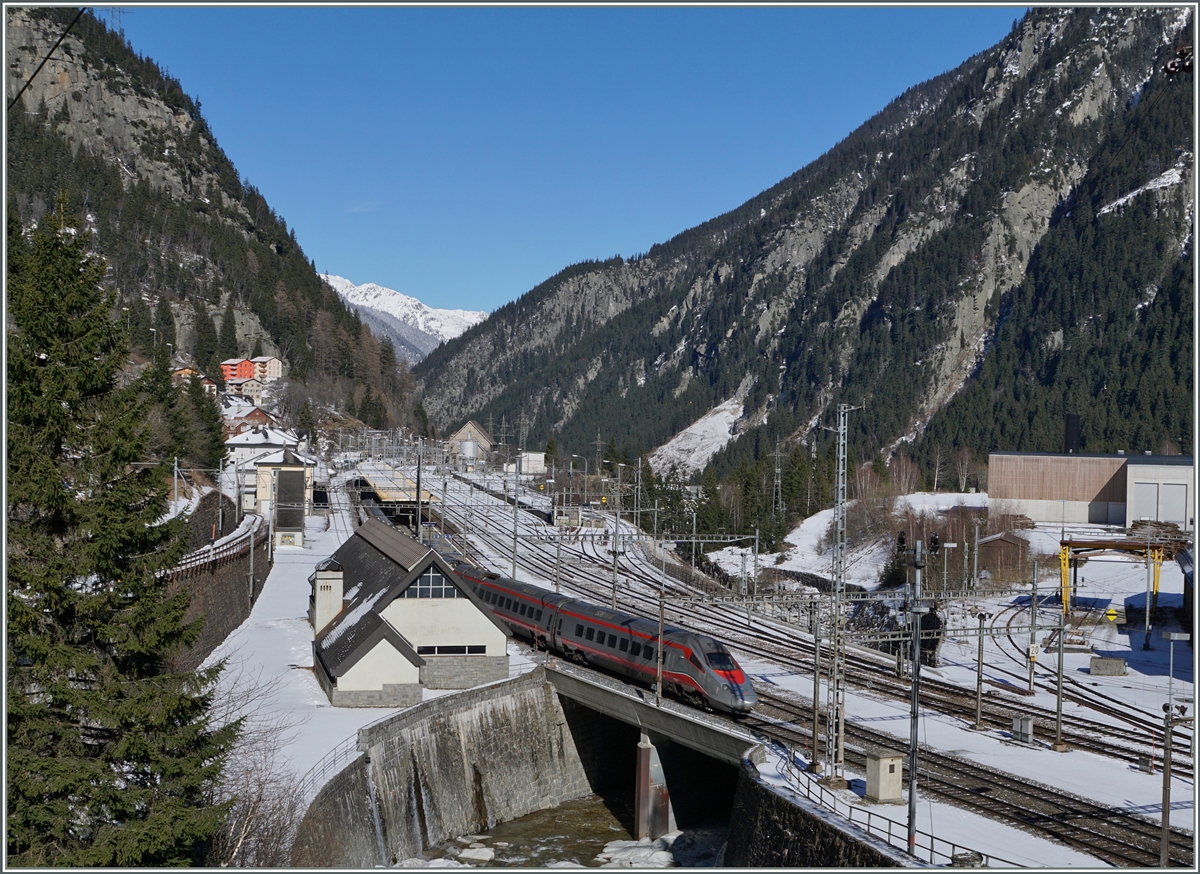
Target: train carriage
(696,668)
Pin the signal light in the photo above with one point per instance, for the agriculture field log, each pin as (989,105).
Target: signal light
(901,542)
(935,544)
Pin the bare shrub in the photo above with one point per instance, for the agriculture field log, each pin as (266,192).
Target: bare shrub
(264,808)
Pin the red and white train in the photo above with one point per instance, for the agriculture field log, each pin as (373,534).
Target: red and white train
(696,668)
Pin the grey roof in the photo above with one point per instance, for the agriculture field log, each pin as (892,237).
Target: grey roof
(379,562)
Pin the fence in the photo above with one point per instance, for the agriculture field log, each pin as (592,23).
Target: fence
(234,546)
(926,846)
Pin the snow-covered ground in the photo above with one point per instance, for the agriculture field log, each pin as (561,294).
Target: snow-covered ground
(274,646)
(1104,581)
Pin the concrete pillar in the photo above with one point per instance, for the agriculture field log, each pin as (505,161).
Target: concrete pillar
(653,815)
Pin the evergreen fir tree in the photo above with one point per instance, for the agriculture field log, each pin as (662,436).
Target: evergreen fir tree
(206,338)
(304,419)
(258,350)
(111,756)
(227,346)
(208,437)
(164,323)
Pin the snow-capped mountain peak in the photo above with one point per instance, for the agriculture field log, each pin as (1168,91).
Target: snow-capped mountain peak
(441,324)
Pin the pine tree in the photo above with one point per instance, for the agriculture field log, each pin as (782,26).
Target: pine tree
(111,756)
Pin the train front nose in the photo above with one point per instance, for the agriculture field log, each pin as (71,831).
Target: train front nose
(741,697)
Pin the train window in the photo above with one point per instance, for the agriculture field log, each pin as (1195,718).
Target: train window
(539,616)
(720,661)
(508,603)
(695,661)
(579,631)
(612,641)
(522,609)
(648,651)
(624,645)
(560,625)
(635,649)
(591,634)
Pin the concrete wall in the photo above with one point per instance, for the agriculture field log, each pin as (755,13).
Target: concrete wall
(774,828)
(455,765)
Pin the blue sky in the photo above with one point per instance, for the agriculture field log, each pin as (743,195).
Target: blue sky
(463,155)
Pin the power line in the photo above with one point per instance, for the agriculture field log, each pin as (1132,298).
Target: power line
(78,15)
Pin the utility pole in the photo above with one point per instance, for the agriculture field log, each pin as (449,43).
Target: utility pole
(835,713)
(1033,611)
(777,496)
(983,617)
(916,609)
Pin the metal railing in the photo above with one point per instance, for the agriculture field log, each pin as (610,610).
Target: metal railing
(927,847)
(321,773)
(234,547)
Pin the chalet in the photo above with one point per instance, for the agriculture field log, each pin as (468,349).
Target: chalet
(391,619)
(267,368)
(245,419)
(237,368)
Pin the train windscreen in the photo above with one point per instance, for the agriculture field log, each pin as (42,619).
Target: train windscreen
(720,661)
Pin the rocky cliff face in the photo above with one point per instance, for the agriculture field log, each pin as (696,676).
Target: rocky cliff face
(875,276)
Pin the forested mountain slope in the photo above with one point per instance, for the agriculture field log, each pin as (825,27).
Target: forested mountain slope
(190,245)
(952,267)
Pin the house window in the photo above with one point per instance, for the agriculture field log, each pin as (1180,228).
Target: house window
(432,584)
(453,649)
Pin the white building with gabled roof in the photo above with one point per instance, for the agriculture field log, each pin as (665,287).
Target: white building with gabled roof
(391,619)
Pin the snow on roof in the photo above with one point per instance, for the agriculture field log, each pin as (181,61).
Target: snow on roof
(263,437)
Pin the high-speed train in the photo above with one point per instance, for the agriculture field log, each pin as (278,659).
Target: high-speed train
(696,668)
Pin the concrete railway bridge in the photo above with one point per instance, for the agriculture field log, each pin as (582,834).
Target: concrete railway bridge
(459,764)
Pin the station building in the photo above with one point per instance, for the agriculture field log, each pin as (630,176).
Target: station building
(1083,488)
(392,619)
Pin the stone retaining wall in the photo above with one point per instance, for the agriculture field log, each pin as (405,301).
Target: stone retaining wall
(221,592)
(455,765)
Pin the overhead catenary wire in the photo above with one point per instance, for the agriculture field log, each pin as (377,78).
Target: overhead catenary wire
(49,54)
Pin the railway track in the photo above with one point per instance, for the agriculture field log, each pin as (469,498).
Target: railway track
(1113,835)
(786,646)
(1116,836)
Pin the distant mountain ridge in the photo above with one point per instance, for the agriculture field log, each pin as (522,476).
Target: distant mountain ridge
(1001,245)
(415,328)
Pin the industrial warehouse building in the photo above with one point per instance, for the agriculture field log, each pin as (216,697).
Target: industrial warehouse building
(1082,488)
(392,619)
